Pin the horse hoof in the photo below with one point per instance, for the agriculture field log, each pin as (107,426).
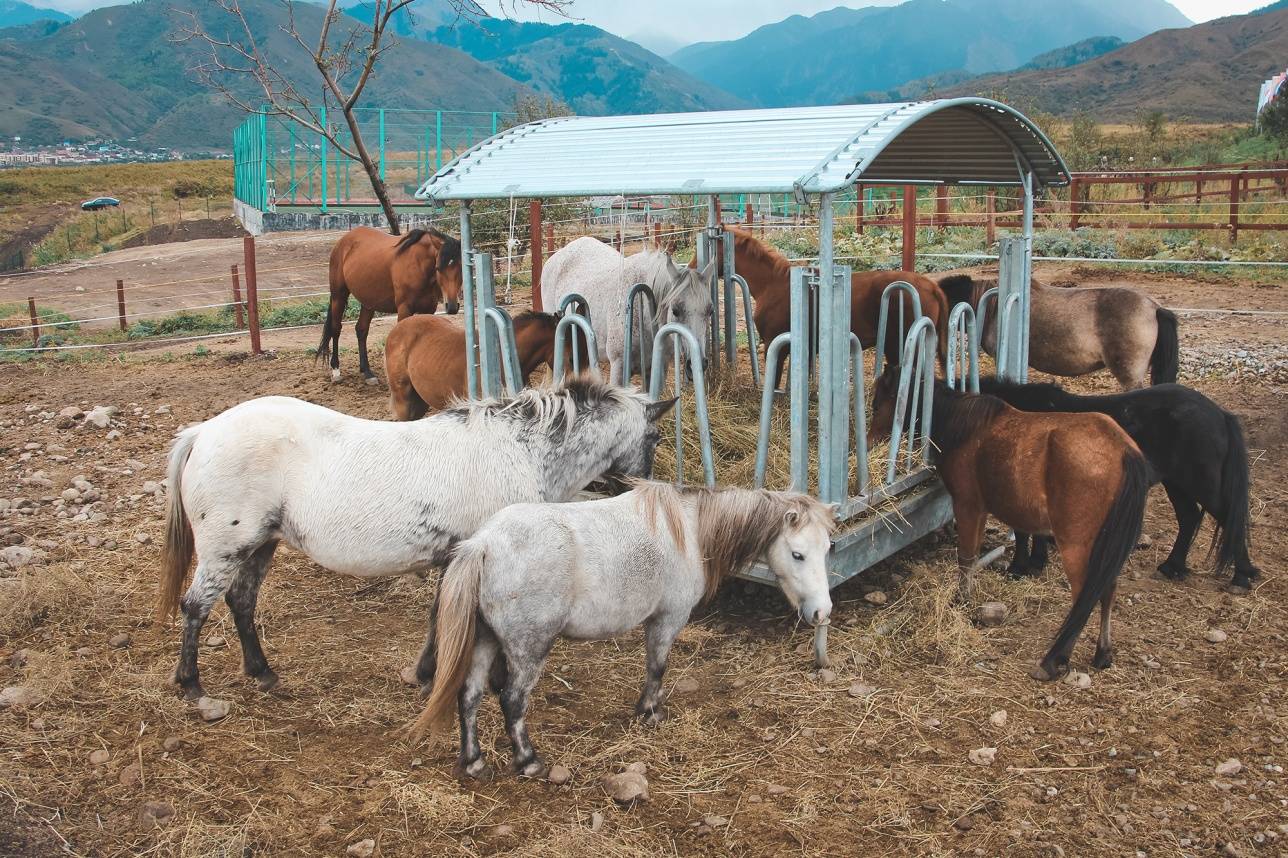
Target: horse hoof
(1103,660)
(1017,571)
(335,375)
(372,380)
(1044,674)
(478,771)
(1173,573)
(266,681)
(534,768)
(1239,588)
(652,719)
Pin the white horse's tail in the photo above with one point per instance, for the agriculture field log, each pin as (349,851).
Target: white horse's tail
(176,555)
(456,625)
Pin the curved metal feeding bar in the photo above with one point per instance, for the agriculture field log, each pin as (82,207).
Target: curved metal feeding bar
(628,320)
(882,318)
(748,317)
(498,321)
(574,321)
(963,350)
(916,381)
(1009,336)
(858,416)
(773,357)
(682,335)
(579,306)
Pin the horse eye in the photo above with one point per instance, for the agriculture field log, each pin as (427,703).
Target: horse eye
(797,556)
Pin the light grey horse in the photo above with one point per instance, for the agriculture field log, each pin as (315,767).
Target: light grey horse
(604,278)
(372,497)
(596,570)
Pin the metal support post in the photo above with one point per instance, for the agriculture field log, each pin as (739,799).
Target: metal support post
(467,287)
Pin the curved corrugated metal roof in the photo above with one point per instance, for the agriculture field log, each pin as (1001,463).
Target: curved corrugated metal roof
(806,149)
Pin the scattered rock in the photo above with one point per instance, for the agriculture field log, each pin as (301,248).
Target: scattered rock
(18,660)
(596,821)
(362,849)
(559,775)
(715,821)
(71,411)
(827,676)
(1078,679)
(776,789)
(1145,541)
(1216,636)
(686,685)
(931,723)
(18,556)
(119,641)
(503,830)
(998,718)
(155,813)
(143,538)
(99,757)
(100,415)
(212,708)
(162,409)
(861,690)
(151,487)
(993,613)
(217,641)
(114,435)
(70,495)
(1229,768)
(131,775)
(17,696)
(134,464)
(876,597)
(171,744)
(964,823)
(983,756)
(626,787)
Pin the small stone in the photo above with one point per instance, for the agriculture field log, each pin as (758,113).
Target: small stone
(70,411)
(119,641)
(156,813)
(18,556)
(931,723)
(212,708)
(861,690)
(1229,768)
(143,538)
(215,641)
(1078,679)
(596,821)
(70,495)
(777,789)
(686,685)
(993,613)
(876,597)
(130,775)
(362,849)
(964,823)
(1232,850)
(626,787)
(18,660)
(17,696)
(171,744)
(134,464)
(638,767)
(559,775)
(1216,636)
(998,718)
(99,757)
(114,435)
(715,821)
(983,756)
(827,676)
(503,830)
(1145,541)
(150,487)
(407,676)
(100,416)
(163,409)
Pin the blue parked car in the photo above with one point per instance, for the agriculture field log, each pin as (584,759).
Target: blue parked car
(99,203)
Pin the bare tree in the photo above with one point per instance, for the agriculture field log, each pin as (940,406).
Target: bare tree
(344,53)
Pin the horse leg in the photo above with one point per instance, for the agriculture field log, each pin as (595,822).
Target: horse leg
(659,635)
(1104,657)
(1040,554)
(242,597)
(1189,515)
(971,518)
(361,327)
(428,661)
(523,669)
(470,762)
(1056,662)
(1019,567)
(335,318)
(208,584)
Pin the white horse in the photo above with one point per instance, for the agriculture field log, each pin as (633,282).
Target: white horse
(369,497)
(604,278)
(596,570)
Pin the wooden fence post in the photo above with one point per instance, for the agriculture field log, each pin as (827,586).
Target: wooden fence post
(237,301)
(909,227)
(657,233)
(719,213)
(550,238)
(1234,209)
(858,207)
(990,216)
(252,293)
(35,323)
(120,302)
(1075,189)
(1198,190)
(534,245)
(941,207)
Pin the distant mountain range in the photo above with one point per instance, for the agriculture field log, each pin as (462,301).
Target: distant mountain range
(15,13)
(837,54)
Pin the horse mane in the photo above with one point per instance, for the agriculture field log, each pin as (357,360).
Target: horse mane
(668,292)
(958,416)
(959,289)
(546,409)
(735,526)
(533,317)
(449,253)
(766,253)
(1035,396)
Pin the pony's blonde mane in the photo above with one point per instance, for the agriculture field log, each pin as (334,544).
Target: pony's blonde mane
(669,292)
(546,408)
(735,526)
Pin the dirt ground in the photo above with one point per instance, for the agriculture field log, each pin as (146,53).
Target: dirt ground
(760,754)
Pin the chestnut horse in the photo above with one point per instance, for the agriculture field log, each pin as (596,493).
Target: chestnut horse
(404,274)
(425,359)
(768,276)
(1077,477)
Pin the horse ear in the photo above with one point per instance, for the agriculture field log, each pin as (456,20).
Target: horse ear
(709,272)
(671,270)
(791,517)
(654,411)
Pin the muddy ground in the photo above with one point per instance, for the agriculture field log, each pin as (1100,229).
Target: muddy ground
(760,754)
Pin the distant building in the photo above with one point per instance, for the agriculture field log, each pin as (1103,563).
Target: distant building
(1272,90)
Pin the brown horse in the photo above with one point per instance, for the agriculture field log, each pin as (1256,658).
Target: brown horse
(1077,477)
(404,274)
(768,276)
(425,359)
(1075,331)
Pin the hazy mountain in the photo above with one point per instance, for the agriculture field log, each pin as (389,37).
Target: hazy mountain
(831,56)
(14,13)
(1071,55)
(1209,72)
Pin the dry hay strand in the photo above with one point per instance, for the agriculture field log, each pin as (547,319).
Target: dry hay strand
(435,805)
(577,840)
(40,595)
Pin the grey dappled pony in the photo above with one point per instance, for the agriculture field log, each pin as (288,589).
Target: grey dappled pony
(596,570)
(373,497)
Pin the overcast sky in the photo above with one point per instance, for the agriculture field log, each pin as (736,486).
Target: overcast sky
(684,21)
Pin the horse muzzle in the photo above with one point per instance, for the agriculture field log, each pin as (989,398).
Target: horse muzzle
(452,308)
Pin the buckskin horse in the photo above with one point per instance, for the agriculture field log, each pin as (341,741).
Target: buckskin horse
(768,276)
(1196,449)
(403,274)
(595,570)
(1074,331)
(1077,477)
(425,359)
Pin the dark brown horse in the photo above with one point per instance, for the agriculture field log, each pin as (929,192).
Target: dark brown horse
(768,276)
(404,274)
(425,359)
(1074,331)
(1078,477)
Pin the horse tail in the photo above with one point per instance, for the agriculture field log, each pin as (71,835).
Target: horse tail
(176,554)
(454,641)
(335,279)
(1164,363)
(1114,543)
(1232,527)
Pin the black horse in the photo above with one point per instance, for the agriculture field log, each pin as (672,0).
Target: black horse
(1196,449)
